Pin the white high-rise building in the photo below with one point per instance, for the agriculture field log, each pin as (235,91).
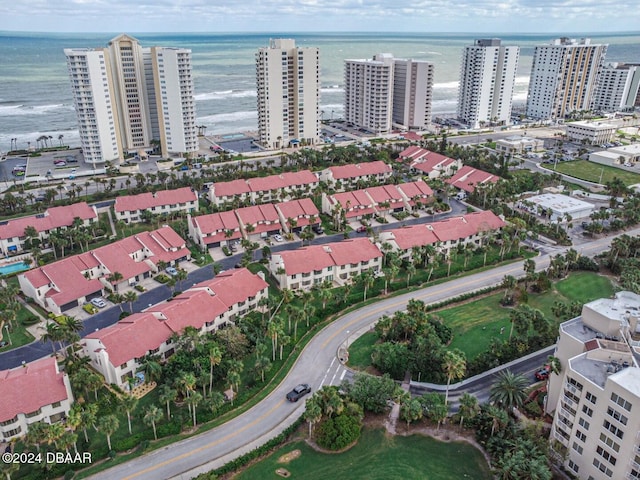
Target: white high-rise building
(595,397)
(368,87)
(288,88)
(487,77)
(412,93)
(128,98)
(618,87)
(564,76)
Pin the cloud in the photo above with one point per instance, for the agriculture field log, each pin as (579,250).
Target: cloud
(319,15)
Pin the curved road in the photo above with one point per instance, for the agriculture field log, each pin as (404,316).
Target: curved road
(318,365)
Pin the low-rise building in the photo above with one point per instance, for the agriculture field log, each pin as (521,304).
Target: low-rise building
(592,133)
(432,164)
(354,205)
(163,202)
(346,177)
(296,214)
(12,232)
(467,178)
(517,145)
(556,207)
(70,282)
(337,262)
(469,229)
(117,351)
(258,221)
(35,392)
(215,229)
(595,393)
(627,155)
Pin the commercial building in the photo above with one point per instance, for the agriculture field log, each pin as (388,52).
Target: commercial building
(487,77)
(628,155)
(337,262)
(592,133)
(288,88)
(556,207)
(383,91)
(564,75)
(129,208)
(35,392)
(618,87)
(595,395)
(129,99)
(518,144)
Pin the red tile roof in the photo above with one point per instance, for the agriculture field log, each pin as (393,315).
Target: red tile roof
(132,337)
(415,189)
(165,245)
(359,170)
(317,257)
(281,181)
(386,193)
(299,210)
(52,218)
(468,177)
(234,286)
(217,224)
(428,161)
(413,136)
(413,236)
(258,215)
(412,153)
(192,308)
(143,201)
(26,389)
(229,189)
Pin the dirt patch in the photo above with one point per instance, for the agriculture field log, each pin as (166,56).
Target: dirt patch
(286,458)
(283,472)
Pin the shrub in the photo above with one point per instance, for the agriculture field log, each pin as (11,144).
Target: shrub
(339,432)
(139,288)
(226,250)
(89,308)
(167,429)
(533,409)
(127,443)
(31,320)
(162,278)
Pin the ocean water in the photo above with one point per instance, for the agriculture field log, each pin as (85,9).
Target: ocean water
(35,96)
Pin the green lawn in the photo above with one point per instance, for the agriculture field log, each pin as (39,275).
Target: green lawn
(590,171)
(474,324)
(377,456)
(19,335)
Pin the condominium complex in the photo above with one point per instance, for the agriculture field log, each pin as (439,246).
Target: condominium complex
(288,89)
(618,87)
(383,91)
(595,398)
(129,99)
(487,77)
(564,75)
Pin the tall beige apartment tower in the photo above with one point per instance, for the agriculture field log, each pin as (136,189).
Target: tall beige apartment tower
(288,89)
(412,93)
(595,398)
(130,100)
(564,75)
(618,87)
(487,77)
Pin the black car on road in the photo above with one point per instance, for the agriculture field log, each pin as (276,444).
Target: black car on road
(298,392)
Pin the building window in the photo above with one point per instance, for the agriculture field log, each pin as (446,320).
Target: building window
(577,448)
(602,467)
(587,410)
(617,415)
(606,455)
(621,401)
(609,442)
(583,423)
(592,398)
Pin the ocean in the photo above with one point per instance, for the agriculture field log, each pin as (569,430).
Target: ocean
(35,95)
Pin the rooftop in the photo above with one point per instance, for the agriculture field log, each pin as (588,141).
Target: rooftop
(52,218)
(359,170)
(467,178)
(147,200)
(559,203)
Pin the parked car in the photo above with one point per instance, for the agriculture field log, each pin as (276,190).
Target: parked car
(278,238)
(59,163)
(298,392)
(361,229)
(543,373)
(98,302)
(171,271)
(318,229)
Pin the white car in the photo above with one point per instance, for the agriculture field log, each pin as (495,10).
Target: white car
(99,302)
(278,238)
(171,271)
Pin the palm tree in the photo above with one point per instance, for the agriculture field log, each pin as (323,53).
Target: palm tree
(367,279)
(455,367)
(152,415)
(129,403)
(509,390)
(53,334)
(312,413)
(554,363)
(469,407)
(167,395)
(108,425)
(130,297)
(215,357)
(214,402)
(151,368)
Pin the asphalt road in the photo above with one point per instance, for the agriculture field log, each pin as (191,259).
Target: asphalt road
(317,365)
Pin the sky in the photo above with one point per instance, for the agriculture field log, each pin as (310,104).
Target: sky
(505,16)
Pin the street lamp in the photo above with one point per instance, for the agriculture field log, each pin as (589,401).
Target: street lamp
(6,327)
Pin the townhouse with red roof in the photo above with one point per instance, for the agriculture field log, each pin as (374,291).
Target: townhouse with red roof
(337,262)
(296,214)
(380,200)
(215,229)
(347,176)
(467,178)
(431,164)
(72,281)
(258,221)
(263,189)
(35,392)
(130,207)
(13,238)
(118,350)
(444,235)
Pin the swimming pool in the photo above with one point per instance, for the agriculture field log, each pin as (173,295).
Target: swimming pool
(233,135)
(13,268)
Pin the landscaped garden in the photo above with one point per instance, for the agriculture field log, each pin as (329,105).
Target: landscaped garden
(377,456)
(595,172)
